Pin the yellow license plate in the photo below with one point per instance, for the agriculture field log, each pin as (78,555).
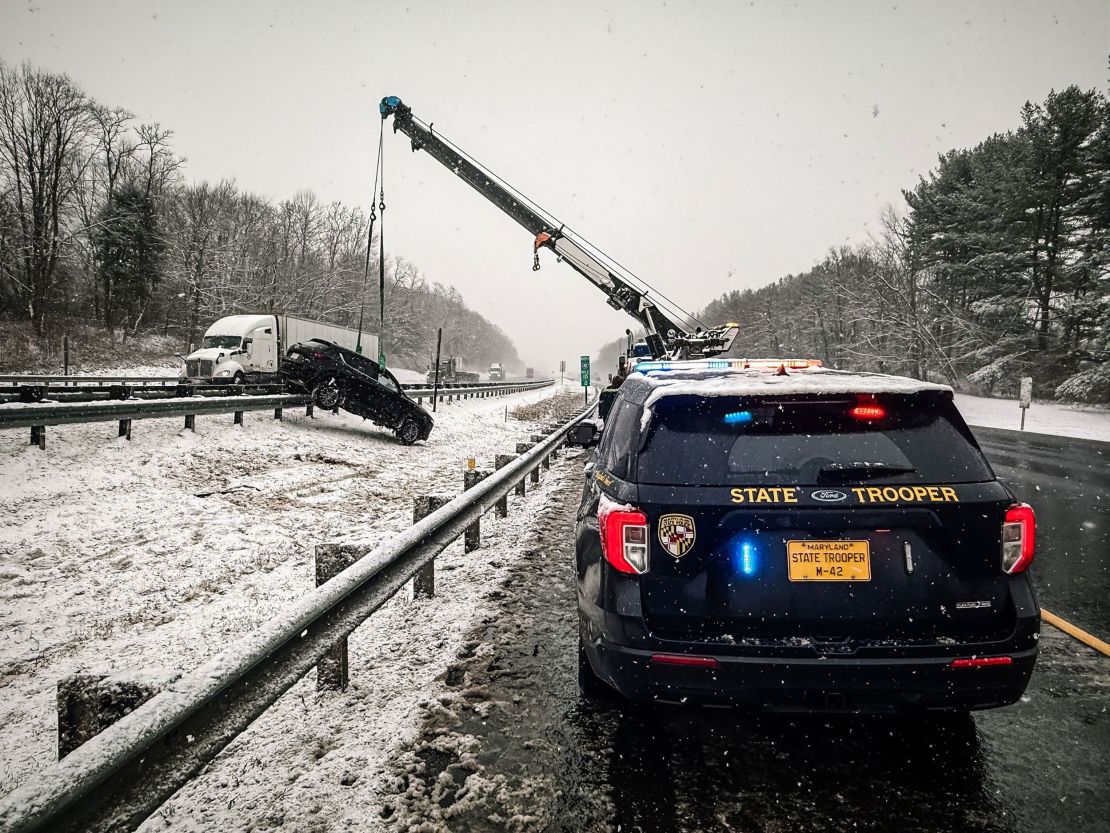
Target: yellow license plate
(828,560)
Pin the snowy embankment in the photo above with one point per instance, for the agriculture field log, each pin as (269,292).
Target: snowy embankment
(158,552)
(1041,418)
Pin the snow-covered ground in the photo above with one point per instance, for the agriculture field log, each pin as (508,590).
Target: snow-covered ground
(157,552)
(1041,418)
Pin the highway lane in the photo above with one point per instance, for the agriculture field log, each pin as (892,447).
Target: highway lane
(510,740)
(1067,482)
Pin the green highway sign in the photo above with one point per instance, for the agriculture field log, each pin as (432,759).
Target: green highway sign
(585,371)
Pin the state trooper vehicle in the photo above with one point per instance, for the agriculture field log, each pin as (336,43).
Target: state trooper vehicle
(790,537)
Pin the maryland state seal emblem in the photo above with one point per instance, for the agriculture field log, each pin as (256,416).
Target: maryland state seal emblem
(677,534)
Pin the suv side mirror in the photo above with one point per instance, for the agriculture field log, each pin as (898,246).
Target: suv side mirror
(584,434)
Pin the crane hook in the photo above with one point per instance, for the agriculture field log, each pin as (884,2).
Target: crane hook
(541,238)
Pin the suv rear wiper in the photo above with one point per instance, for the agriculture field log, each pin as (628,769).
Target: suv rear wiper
(839,472)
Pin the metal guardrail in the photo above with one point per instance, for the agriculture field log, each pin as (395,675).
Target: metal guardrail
(122,775)
(63,413)
(38,416)
(26,388)
(485,389)
(16,379)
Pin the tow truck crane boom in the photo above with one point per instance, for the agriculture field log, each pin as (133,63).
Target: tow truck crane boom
(664,336)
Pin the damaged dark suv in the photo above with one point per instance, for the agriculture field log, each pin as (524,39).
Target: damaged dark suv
(807,539)
(340,378)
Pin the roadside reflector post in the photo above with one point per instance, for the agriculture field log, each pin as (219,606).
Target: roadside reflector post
(191,422)
(308,411)
(424,582)
(38,436)
(331,670)
(238,417)
(125,428)
(473,537)
(277,414)
(500,461)
(534,474)
(90,703)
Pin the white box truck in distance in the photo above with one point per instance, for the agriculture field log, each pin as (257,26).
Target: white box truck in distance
(247,348)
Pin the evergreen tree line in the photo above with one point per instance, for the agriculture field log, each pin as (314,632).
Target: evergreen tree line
(98,224)
(997,268)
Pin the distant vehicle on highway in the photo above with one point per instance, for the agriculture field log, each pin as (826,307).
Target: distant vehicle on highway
(794,538)
(450,373)
(246,348)
(338,377)
(496,372)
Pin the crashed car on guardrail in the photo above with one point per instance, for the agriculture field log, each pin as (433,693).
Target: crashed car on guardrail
(340,378)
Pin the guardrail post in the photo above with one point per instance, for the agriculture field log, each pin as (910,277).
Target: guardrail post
(90,703)
(277,414)
(238,417)
(125,428)
(191,422)
(534,474)
(38,436)
(473,538)
(424,582)
(539,438)
(331,670)
(502,506)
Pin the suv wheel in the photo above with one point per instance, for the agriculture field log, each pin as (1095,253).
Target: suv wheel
(326,395)
(408,432)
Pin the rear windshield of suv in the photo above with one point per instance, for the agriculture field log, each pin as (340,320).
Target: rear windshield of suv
(715,441)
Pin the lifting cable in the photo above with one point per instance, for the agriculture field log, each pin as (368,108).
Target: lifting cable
(671,306)
(379,195)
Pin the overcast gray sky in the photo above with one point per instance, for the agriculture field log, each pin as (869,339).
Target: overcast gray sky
(708,146)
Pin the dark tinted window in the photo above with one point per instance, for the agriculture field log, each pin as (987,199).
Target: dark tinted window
(620,439)
(359,363)
(815,441)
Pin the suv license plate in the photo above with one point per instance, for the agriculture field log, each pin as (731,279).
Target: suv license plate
(828,560)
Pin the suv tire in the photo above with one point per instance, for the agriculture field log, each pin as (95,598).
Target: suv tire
(408,432)
(590,686)
(326,396)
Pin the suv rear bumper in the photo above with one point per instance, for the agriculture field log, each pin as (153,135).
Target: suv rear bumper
(833,683)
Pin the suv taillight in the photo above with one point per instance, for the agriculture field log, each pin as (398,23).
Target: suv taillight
(1019,533)
(624,540)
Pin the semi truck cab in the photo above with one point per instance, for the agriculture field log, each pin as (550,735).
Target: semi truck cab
(248,348)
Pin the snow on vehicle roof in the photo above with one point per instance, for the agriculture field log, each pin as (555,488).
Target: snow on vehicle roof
(698,380)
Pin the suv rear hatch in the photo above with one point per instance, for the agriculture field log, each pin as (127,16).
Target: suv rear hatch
(826,521)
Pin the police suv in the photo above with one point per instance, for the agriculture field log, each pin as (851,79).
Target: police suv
(786,536)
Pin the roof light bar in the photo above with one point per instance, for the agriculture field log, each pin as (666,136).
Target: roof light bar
(726,364)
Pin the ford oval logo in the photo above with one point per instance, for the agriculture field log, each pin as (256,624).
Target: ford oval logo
(828,495)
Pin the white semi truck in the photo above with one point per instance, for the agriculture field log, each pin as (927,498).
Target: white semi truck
(247,348)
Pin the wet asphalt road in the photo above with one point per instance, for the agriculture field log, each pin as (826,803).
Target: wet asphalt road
(1067,482)
(540,758)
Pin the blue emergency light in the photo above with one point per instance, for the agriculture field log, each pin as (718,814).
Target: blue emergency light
(745,556)
(738,418)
